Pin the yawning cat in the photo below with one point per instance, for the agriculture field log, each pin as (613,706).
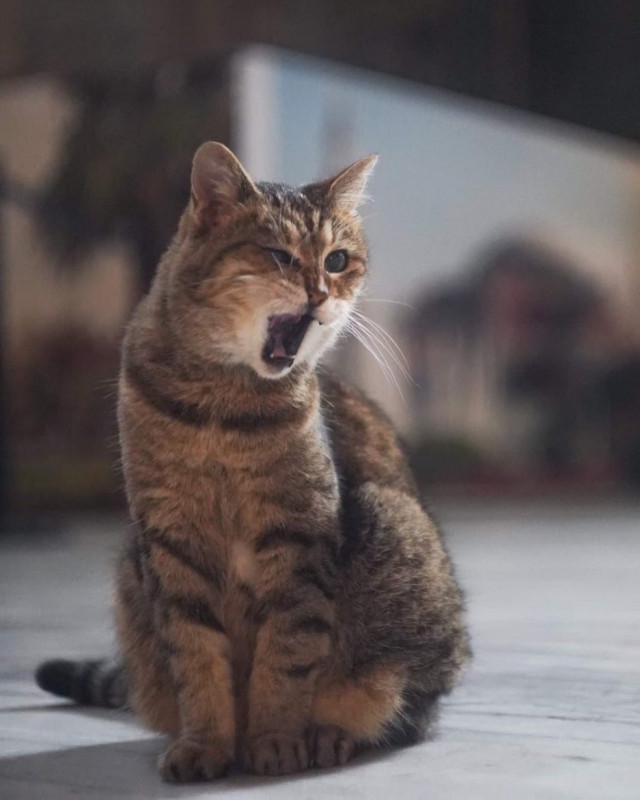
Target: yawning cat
(284,597)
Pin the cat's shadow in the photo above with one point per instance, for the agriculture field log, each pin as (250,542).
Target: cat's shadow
(127,769)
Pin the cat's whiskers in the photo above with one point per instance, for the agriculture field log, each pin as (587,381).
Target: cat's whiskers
(386,342)
(277,227)
(365,299)
(359,332)
(296,251)
(390,341)
(279,265)
(389,371)
(385,351)
(350,328)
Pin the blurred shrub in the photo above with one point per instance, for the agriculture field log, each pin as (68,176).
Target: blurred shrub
(62,421)
(618,392)
(446,458)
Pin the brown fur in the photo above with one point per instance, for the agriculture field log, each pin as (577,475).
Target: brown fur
(284,596)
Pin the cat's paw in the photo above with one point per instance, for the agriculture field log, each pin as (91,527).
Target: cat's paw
(330,746)
(277,755)
(188,760)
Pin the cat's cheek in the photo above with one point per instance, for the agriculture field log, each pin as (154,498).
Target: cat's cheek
(334,312)
(318,340)
(248,348)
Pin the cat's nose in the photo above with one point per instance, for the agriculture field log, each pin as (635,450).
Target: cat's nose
(316,296)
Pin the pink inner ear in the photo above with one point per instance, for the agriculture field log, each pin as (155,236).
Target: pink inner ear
(348,187)
(210,183)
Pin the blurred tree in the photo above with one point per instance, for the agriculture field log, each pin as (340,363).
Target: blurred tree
(125,165)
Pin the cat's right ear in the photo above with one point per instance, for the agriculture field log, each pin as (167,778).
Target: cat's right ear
(219,183)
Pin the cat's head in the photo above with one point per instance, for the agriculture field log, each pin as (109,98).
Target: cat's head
(262,274)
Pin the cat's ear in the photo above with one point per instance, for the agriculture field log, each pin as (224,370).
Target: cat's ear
(347,189)
(219,183)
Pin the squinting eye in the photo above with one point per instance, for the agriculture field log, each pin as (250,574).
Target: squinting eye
(280,256)
(336,261)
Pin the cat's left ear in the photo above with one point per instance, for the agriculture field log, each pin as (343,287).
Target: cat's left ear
(219,182)
(347,189)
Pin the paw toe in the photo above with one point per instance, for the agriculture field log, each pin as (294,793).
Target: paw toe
(331,746)
(187,761)
(274,755)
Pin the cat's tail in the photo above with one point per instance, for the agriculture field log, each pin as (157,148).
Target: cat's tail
(90,683)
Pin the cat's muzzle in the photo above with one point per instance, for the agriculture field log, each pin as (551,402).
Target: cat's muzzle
(285,333)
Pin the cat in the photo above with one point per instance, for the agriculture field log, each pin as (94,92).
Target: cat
(284,598)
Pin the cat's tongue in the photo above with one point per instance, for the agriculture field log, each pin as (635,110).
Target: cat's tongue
(279,350)
(285,333)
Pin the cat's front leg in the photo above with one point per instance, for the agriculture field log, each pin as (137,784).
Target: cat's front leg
(185,599)
(200,665)
(296,618)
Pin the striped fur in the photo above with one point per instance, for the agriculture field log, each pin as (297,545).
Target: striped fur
(284,597)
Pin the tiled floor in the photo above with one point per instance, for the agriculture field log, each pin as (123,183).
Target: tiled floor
(550,708)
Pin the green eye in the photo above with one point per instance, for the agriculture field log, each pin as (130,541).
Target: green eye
(336,261)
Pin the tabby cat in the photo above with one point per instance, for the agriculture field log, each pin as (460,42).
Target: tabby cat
(283,598)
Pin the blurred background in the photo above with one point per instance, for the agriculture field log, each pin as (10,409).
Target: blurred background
(505,226)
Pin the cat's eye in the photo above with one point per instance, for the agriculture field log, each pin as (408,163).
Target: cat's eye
(281,257)
(336,261)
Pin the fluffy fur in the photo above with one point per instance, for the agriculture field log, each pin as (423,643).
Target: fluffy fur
(284,597)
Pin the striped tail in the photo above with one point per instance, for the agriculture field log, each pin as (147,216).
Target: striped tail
(90,683)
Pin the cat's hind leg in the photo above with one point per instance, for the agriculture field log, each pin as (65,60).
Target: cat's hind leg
(401,636)
(350,711)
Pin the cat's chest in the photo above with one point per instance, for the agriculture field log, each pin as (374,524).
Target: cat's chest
(272,482)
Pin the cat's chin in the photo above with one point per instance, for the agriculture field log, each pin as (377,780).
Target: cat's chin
(274,373)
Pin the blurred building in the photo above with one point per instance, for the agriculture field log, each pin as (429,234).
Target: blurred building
(512,358)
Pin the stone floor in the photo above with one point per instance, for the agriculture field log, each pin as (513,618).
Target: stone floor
(550,708)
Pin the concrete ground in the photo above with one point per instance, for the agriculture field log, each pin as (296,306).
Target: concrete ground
(550,708)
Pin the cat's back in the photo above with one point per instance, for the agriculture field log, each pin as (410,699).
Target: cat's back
(365,444)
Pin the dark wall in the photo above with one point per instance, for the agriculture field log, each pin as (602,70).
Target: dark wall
(575,61)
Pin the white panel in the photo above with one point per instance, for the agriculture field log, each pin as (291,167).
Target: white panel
(255,112)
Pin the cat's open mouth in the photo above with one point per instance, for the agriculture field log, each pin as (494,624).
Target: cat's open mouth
(285,333)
